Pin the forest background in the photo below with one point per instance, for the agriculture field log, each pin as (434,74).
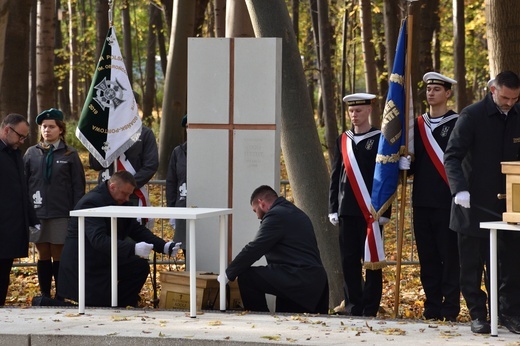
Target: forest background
(49,50)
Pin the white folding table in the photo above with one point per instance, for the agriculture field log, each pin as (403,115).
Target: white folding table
(189,214)
(494,227)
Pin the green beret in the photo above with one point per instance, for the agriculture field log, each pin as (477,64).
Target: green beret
(52,113)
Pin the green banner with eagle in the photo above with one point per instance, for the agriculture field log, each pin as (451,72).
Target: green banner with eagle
(109,122)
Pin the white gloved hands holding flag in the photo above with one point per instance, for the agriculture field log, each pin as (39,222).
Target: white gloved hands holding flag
(405,162)
(333,218)
(222,278)
(462,198)
(143,249)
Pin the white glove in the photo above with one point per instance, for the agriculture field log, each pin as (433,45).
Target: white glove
(462,199)
(383,220)
(404,162)
(172,222)
(333,218)
(38,227)
(171,249)
(143,249)
(222,278)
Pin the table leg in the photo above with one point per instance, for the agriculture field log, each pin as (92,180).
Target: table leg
(493,278)
(113,243)
(223,261)
(193,271)
(81,264)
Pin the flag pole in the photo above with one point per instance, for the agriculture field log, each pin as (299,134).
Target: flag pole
(402,205)
(110,13)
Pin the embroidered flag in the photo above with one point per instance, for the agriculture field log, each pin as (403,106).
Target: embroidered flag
(386,174)
(109,122)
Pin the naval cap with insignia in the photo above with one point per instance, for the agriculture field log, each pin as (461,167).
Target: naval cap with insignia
(52,113)
(359,99)
(437,78)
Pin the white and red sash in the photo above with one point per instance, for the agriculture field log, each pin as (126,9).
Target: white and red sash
(374,252)
(142,193)
(430,144)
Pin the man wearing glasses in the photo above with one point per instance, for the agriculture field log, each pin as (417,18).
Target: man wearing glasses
(16,215)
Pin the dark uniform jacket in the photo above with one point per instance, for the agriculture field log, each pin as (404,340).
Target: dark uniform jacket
(429,188)
(67,184)
(286,238)
(143,156)
(480,141)
(16,212)
(341,196)
(97,247)
(176,177)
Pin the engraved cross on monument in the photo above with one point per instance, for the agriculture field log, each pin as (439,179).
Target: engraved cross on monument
(234,108)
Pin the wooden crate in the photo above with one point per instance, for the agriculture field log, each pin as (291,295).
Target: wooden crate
(175,292)
(512,172)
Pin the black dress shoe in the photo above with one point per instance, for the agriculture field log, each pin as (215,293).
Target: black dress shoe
(480,326)
(512,323)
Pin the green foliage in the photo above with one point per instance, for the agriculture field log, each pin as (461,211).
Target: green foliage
(70,136)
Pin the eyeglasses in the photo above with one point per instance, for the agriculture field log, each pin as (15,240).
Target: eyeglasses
(21,137)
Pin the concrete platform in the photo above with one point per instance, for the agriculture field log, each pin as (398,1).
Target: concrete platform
(64,326)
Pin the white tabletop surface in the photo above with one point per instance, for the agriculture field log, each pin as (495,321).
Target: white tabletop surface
(152,212)
(500,225)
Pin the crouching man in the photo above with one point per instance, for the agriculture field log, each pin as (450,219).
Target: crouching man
(294,272)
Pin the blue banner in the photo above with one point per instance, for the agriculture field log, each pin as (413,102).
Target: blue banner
(386,174)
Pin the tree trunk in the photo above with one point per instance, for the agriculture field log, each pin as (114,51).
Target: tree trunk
(459,57)
(369,57)
(392,20)
(238,22)
(149,90)
(32,109)
(73,61)
(220,18)
(62,81)
(45,83)
(300,143)
(175,83)
(4,16)
(296,18)
(326,78)
(127,40)
(101,24)
(502,23)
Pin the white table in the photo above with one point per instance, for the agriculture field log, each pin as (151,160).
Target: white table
(493,230)
(190,214)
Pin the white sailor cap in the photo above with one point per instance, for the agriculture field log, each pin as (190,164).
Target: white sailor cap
(437,78)
(359,99)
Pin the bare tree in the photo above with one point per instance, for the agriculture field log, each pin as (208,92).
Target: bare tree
(73,61)
(369,57)
(220,18)
(300,143)
(45,80)
(4,15)
(149,90)
(127,40)
(238,23)
(502,35)
(175,84)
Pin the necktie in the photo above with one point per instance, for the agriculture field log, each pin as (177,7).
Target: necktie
(48,163)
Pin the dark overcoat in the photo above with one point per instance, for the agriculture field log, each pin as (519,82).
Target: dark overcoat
(481,140)
(98,249)
(16,212)
(286,238)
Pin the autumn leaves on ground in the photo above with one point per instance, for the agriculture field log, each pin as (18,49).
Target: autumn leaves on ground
(24,281)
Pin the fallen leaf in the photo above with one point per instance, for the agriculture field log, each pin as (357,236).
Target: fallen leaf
(215,323)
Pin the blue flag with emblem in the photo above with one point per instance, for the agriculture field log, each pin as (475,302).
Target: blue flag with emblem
(109,122)
(386,174)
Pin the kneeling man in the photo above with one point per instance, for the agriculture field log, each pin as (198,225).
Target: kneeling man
(294,272)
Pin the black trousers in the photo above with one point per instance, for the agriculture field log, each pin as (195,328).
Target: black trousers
(256,282)
(439,258)
(474,259)
(5,270)
(362,296)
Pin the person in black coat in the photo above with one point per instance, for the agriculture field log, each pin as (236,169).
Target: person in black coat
(431,200)
(294,272)
(134,244)
(486,134)
(16,213)
(362,294)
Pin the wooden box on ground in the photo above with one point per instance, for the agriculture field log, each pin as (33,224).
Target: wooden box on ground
(512,172)
(175,292)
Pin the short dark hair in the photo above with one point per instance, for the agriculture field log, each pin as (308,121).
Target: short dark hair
(13,119)
(509,79)
(263,192)
(123,177)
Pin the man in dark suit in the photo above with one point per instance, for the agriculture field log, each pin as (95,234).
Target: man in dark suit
(486,133)
(16,213)
(294,272)
(135,242)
